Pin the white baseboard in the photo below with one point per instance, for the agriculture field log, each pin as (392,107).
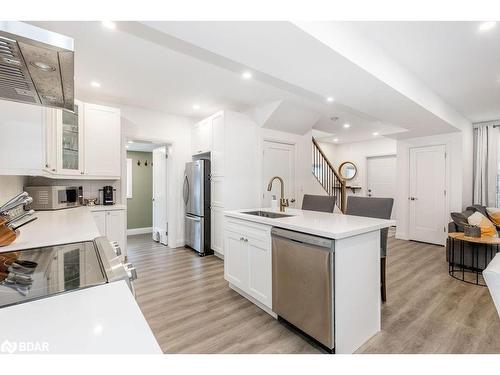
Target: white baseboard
(401,236)
(179,243)
(218,255)
(131,232)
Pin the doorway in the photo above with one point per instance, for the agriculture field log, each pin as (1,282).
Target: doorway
(427,194)
(381,178)
(278,160)
(146,189)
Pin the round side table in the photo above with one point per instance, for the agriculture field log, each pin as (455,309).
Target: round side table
(469,267)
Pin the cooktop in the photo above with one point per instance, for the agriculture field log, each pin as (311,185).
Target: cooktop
(26,275)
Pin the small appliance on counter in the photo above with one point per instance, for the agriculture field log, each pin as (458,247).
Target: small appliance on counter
(107,195)
(47,198)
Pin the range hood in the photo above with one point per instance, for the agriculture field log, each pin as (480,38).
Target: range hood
(36,66)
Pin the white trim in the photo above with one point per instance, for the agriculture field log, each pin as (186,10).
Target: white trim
(131,232)
(219,255)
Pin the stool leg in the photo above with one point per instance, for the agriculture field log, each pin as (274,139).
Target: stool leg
(382,279)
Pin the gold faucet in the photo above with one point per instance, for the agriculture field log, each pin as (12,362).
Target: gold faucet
(283,201)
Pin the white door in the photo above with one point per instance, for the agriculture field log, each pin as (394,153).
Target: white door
(381,178)
(278,160)
(427,196)
(160,220)
(235,259)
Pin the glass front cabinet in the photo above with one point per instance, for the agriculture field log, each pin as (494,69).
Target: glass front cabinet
(64,141)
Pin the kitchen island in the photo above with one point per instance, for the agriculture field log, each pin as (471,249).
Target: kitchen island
(249,270)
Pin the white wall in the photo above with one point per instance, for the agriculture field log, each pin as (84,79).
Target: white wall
(457,175)
(10,186)
(357,152)
(146,125)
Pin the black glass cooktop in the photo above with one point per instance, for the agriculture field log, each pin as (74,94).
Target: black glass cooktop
(31,274)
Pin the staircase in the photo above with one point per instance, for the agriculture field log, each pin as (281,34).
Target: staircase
(327,176)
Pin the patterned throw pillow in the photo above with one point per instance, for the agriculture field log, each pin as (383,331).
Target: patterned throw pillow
(494,214)
(487,227)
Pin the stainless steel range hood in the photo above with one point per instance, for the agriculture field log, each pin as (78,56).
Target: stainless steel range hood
(36,66)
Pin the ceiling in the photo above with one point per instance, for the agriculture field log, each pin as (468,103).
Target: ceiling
(461,64)
(170,66)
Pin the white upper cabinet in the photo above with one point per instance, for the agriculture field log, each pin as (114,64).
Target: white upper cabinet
(218,144)
(69,141)
(22,128)
(102,139)
(201,137)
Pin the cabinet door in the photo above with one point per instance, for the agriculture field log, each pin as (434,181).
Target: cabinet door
(102,141)
(21,138)
(69,141)
(100,220)
(235,259)
(260,284)
(217,229)
(115,228)
(218,143)
(50,115)
(217,191)
(201,137)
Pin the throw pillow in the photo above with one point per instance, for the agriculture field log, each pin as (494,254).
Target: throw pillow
(487,227)
(494,214)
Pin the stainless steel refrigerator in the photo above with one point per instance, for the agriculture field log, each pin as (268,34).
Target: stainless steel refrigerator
(196,194)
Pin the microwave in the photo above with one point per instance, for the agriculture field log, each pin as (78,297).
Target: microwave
(55,197)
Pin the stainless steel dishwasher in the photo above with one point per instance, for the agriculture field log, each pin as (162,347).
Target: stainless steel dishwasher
(303,283)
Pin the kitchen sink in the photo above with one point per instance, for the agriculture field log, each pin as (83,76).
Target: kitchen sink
(270,215)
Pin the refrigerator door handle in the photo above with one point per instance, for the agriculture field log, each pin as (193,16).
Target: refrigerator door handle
(185,191)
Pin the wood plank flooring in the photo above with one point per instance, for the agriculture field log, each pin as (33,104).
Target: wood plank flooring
(191,309)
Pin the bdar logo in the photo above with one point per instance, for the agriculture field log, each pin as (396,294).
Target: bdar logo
(8,347)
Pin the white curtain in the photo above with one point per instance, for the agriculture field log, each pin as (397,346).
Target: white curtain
(485,163)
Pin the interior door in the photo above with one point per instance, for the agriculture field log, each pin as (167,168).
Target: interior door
(427,194)
(160,220)
(381,178)
(278,160)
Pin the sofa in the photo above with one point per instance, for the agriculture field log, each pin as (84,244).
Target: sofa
(457,225)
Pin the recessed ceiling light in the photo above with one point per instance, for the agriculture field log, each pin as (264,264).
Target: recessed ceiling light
(486,26)
(246,75)
(95,84)
(347,126)
(335,139)
(109,25)
(130,142)
(330,99)
(375,134)
(196,107)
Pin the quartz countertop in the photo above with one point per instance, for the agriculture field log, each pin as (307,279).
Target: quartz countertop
(329,225)
(56,228)
(111,207)
(80,322)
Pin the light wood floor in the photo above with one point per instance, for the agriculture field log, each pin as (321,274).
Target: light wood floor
(191,309)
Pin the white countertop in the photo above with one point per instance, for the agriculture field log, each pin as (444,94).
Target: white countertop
(56,228)
(335,226)
(81,322)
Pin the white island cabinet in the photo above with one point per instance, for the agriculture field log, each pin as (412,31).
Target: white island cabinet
(248,265)
(247,261)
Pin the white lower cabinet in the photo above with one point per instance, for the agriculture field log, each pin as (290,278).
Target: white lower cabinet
(113,225)
(248,258)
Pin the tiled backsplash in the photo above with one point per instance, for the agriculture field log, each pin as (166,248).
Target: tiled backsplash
(90,187)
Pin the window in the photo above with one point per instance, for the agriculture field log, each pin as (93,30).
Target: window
(129,178)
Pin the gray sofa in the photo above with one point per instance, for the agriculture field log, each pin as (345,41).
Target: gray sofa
(457,225)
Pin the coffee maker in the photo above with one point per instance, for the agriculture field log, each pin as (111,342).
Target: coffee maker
(108,195)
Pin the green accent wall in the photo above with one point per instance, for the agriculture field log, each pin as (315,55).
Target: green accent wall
(140,206)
